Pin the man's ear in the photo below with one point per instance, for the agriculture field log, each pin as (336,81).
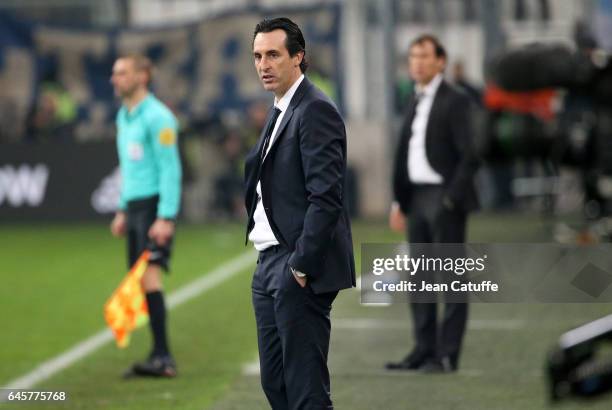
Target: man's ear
(300,56)
(143,77)
(442,64)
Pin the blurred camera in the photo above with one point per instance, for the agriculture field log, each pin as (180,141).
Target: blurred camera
(579,365)
(550,102)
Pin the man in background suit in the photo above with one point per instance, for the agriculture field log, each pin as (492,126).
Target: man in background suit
(432,185)
(298,221)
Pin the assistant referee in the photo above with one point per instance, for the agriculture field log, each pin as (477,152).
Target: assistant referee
(150,194)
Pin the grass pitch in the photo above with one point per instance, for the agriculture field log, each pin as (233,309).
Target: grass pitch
(55,279)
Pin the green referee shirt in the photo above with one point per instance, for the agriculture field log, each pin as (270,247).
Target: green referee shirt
(148,155)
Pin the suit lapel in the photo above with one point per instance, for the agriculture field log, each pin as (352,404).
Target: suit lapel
(435,108)
(295,100)
(262,135)
(283,124)
(410,115)
(253,159)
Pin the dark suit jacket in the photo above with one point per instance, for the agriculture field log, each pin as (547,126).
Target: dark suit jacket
(302,187)
(448,146)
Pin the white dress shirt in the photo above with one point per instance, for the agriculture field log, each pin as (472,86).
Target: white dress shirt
(262,235)
(420,170)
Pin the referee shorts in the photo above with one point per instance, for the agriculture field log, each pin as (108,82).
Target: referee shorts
(141,214)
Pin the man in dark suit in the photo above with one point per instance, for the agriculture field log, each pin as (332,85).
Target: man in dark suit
(433,185)
(298,221)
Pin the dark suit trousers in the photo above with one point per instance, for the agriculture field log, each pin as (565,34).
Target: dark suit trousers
(293,332)
(429,222)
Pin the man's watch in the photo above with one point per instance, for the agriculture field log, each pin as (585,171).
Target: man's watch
(297,273)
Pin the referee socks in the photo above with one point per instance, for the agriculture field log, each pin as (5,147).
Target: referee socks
(157,320)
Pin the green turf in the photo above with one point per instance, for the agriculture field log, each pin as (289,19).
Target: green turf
(211,337)
(56,279)
(501,368)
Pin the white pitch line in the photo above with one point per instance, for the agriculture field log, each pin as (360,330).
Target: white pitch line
(191,290)
(251,368)
(212,279)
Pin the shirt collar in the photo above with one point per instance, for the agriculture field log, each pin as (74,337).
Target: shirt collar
(283,103)
(139,107)
(431,88)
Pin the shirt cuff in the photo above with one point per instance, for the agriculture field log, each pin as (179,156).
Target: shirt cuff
(297,273)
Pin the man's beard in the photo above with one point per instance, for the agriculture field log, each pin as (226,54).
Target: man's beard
(128,93)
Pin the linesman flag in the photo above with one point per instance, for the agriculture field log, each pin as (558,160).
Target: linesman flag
(126,309)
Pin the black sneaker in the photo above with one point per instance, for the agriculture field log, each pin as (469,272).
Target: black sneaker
(154,366)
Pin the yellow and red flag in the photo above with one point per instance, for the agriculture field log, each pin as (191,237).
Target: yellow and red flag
(126,309)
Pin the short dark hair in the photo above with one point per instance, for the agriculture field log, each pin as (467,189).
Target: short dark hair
(295,42)
(430,38)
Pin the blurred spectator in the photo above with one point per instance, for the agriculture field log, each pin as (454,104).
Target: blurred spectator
(321,79)
(44,123)
(257,113)
(228,186)
(52,117)
(235,142)
(66,107)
